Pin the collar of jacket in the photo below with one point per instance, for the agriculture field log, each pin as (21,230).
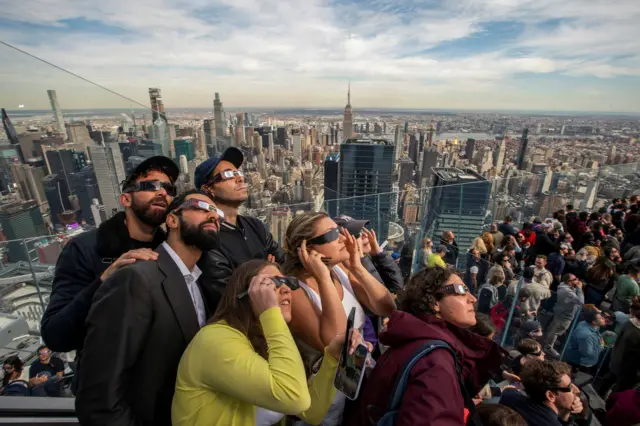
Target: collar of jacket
(113,238)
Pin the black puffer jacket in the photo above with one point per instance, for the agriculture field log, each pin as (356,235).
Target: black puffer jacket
(385,270)
(238,244)
(77,277)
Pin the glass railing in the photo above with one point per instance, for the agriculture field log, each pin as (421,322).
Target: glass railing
(113,132)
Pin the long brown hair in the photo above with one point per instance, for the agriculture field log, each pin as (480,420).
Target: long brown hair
(237,312)
(300,228)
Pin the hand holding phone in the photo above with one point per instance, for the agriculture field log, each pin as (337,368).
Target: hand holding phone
(353,361)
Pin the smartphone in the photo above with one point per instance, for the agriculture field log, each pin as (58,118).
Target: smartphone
(351,366)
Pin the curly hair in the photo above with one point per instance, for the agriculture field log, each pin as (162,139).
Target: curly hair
(420,294)
(539,376)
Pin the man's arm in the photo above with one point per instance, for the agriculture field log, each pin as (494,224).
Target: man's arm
(216,271)
(389,271)
(273,247)
(117,327)
(74,285)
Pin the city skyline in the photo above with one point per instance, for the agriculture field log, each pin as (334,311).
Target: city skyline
(483,54)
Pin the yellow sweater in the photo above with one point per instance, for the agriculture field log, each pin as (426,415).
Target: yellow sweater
(222,379)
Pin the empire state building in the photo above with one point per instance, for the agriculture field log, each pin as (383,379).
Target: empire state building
(347,121)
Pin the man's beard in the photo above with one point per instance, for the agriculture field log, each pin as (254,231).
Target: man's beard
(199,237)
(148,214)
(6,379)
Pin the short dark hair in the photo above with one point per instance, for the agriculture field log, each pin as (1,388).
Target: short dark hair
(15,362)
(41,347)
(484,325)
(525,293)
(421,292)
(538,377)
(541,256)
(528,346)
(569,206)
(509,247)
(508,218)
(567,277)
(132,178)
(499,415)
(177,201)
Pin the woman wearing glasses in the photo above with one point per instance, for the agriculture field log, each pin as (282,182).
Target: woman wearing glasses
(328,292)
(243,368)
(434,305)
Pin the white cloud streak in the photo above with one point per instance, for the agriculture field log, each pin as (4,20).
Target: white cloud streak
(290,52)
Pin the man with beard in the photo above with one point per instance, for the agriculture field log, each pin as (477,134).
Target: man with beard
(242,238)
(141,321)
(91,257)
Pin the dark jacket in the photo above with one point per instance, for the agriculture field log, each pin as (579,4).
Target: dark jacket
(507,229)
(534,413)
(544,244)
(625,356)
(385,270)
(623,408)
(77,277)
(238,244)
(16,388)
(433,395)
(451,256)
(140,323)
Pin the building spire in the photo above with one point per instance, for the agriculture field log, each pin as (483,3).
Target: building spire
(349,93)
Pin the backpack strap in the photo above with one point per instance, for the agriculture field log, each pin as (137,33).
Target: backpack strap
(400,386)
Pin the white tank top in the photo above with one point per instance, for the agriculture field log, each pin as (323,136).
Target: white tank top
(349,301)
(266,417)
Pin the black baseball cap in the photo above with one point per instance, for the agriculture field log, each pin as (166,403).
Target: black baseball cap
(159,162)
(352,225)
(204,169)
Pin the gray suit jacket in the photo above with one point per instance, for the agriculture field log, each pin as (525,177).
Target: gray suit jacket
(141,321)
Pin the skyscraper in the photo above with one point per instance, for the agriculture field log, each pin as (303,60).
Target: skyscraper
(20,220)
(209,126)
(57,193)
(499,156)
(280,220)
(524,140)
(109,170)
(57,112)
(366,178)
(184,147)
(459,204)
(218,115)
(347,121)
(470,148)
(157,107)
(29,180)
(332,183)
(84,185)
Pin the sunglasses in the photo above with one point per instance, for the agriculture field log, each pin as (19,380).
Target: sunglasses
(454,289)
(193,204)
(565,389)
(152,185)
(291,282)
(327,237)
(226,175)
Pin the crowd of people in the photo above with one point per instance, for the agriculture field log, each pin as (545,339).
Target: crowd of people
(182,311)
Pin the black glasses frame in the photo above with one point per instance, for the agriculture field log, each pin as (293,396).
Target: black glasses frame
(291,282)
(151,185)
(328,237)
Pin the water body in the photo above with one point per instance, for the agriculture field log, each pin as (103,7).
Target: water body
(463,136)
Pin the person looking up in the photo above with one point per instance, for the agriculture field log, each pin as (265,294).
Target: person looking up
(426,248)
(437,258)
(141,321)
(507,227)
(329,289)
(497,235)
(242,238)
(435,304)
(45,373)
(261,377)
(90,258)
(475,270)
(449,241)
(12,384)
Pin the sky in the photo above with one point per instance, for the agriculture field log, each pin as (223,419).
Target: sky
(581,55)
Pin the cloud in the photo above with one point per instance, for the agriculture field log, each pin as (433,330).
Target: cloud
(292,52)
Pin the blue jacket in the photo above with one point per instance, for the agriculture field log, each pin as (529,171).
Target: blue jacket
(584,345)
(555,264)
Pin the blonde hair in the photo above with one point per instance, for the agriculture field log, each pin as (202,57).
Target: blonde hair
(488,241)
(300,229)
(478,243)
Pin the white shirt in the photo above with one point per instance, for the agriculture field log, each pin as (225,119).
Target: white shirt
(191,279)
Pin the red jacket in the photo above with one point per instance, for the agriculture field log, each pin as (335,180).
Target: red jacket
(623,408)
(433,396)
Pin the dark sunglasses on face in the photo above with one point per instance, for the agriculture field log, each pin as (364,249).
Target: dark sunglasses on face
(565,389)
(454,289)
(226,175)
(327,237)
(193,204)
(291,282)
(152,185)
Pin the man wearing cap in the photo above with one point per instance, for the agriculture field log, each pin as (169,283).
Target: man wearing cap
(242,238)
(555,262)
(90,258)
